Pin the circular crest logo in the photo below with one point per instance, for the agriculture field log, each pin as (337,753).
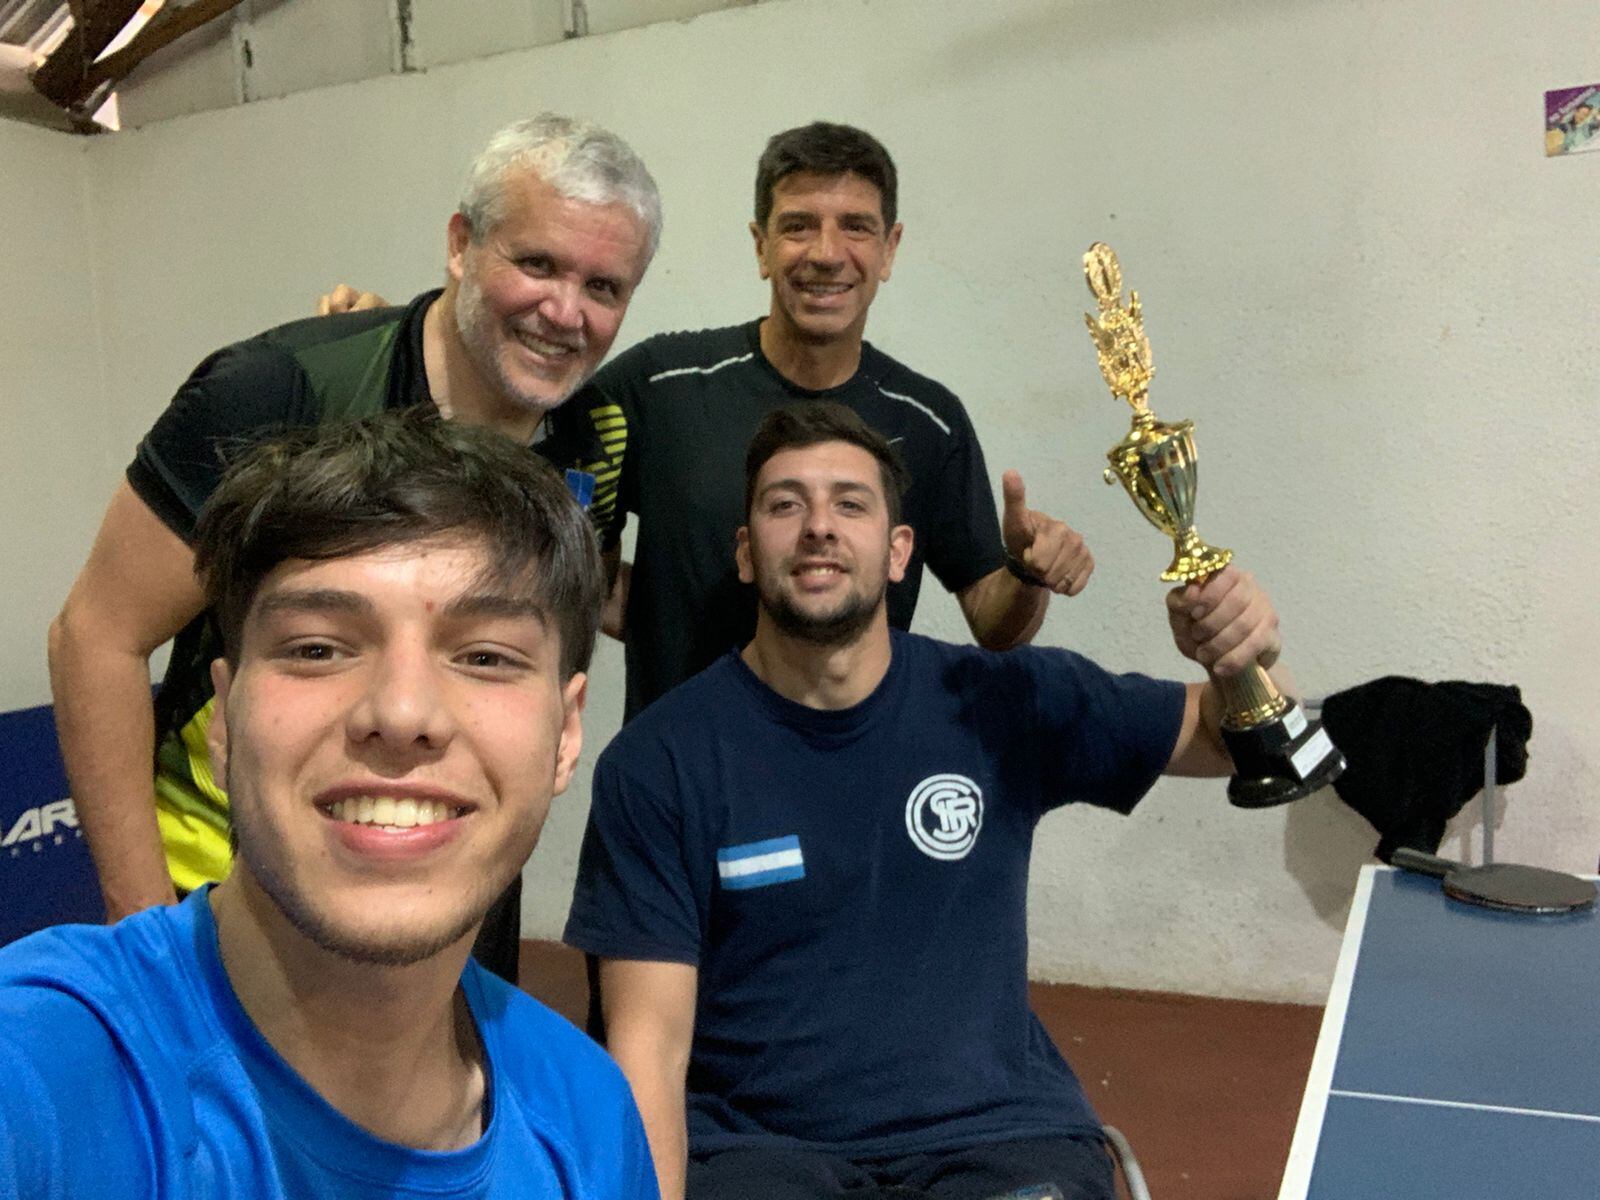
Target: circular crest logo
(943,815)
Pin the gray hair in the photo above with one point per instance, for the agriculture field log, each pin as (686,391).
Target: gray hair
(577,158)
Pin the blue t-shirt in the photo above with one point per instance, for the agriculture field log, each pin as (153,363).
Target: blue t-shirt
(852,887)
(130,1069)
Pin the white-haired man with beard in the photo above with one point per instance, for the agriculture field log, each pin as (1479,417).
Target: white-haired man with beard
(556,225)
(407,610)
(805,871)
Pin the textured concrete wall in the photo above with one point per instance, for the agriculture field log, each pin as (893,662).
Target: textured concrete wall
(1361,278)
(52,400)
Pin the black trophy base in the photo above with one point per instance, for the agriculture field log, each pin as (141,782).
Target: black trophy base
(1280,760)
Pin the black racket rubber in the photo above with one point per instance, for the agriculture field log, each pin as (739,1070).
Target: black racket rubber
(1506,887)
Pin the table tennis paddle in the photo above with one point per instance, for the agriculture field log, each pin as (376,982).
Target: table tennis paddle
(1506,886)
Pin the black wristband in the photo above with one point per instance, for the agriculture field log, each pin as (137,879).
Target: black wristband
(1020,571)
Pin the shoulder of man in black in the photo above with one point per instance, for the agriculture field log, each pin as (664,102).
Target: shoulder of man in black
(247,389)
(248,386)
(313,331)
(894,378)
(664,356)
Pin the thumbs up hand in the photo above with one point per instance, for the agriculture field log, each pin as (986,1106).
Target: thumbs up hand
(1050,551)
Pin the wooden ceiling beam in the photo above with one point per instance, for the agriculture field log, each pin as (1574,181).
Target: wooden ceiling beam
(71,78)
(166,27)
(61,78)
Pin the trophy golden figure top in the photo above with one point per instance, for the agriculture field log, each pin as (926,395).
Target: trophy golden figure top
(1118,332)
(1156,462)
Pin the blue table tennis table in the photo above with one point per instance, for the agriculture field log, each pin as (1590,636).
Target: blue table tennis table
(1459,1055)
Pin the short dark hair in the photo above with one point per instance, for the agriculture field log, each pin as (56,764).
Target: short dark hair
(811,424)
(827,149)
(346,489)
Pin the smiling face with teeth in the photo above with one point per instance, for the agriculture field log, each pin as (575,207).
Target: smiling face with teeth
(825,248)
(819,545)
(539,297)
(391,738)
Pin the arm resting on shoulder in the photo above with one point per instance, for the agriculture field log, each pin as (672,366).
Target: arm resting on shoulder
(136,591)
(649,1016)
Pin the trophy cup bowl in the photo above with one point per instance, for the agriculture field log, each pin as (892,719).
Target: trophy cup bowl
(1279,754)
(1158,466)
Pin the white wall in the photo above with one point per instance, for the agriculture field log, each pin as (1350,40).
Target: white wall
(53,465)
(1361,278)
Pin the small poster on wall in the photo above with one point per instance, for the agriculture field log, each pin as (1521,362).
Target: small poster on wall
(1572,120)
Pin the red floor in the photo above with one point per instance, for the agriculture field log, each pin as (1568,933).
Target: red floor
(1206,1090)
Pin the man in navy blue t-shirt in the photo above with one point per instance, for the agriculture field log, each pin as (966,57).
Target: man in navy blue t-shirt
(407,611)
(805,871)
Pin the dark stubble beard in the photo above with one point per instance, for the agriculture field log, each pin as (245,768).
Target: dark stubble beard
(838,628)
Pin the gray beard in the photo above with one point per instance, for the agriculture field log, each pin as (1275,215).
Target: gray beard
(476,326)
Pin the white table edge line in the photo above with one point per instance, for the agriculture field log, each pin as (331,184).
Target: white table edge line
(1319,1082)
(1494,1108)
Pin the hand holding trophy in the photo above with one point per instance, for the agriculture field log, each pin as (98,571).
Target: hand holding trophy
(1278,753)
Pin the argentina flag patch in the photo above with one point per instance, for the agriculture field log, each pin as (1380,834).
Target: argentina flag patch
(756,864)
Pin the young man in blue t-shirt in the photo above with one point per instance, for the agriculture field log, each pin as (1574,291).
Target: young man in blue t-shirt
(407,610)
(805,871)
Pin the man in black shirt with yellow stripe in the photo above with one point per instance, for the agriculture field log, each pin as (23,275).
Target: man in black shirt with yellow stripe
(557,223)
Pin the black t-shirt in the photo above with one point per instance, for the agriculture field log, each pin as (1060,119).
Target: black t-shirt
(692,403)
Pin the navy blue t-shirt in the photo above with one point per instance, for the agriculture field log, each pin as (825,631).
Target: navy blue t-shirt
(852,887)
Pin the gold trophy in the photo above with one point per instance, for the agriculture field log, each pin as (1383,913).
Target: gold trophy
(1279,753)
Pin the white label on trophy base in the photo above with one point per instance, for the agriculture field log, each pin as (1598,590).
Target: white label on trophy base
(1294,721)
(1309,755)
